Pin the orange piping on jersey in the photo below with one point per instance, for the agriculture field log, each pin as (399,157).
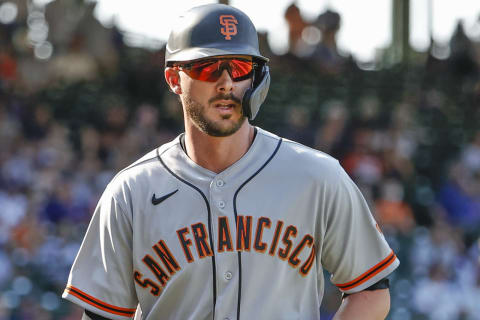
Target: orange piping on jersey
(370,273)
(100,304)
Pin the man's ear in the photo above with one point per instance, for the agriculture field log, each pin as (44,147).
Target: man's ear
(173,79)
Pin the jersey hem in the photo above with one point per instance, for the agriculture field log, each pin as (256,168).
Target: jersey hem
(95,305)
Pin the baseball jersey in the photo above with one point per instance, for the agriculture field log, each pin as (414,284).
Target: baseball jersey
(251,242)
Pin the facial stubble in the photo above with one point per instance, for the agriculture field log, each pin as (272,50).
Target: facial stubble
(196,112)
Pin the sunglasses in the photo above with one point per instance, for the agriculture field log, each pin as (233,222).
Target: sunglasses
(211,70)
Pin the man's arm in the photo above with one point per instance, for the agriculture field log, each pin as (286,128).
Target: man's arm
(88,315)
(365,305)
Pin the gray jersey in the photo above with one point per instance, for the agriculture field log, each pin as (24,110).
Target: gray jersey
(251,242)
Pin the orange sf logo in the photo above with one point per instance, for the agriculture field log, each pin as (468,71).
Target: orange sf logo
(229,23)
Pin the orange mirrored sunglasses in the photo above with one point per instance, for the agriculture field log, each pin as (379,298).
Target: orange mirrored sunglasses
(211,69)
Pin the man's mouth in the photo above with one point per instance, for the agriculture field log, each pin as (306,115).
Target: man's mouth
(225,105)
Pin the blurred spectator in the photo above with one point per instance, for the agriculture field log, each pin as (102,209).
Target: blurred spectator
(441,245)
(296,25)
(361,162)
(462,58)
(331,132)
(435,297)
(37,123)
(471,154)
(59,204)
(8,65)
(392,211)
(32,72)
(77,64)
(14,208)
(297,126)
(5,271)
(99,41)
(63,18)
(460,197)
(17,170)
(10,127)
(326,53)
(400,143)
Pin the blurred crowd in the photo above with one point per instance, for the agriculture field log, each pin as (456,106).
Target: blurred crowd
(78,103)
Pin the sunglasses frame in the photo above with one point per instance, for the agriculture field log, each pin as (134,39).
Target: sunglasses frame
(189,65)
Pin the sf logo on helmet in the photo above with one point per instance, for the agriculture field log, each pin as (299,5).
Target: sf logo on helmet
(229,23)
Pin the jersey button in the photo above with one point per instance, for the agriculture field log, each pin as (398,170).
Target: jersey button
(220,183)
(228,275)
(221,204)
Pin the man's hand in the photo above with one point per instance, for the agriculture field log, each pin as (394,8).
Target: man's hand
(365,305)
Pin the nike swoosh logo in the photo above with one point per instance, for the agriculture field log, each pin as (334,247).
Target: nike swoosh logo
(156,201)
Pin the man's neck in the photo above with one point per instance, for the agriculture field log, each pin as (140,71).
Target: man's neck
(217,153)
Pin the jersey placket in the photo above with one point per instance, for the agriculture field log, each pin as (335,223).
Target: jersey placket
(224,233)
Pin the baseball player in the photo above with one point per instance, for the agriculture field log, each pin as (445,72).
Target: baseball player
(228,221)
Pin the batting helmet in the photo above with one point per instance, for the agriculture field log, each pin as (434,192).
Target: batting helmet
(217,30)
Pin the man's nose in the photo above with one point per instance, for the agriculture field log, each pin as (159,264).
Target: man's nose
(225,82)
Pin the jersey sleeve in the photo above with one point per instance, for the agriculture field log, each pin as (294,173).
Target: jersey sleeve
(354,249)
(101,278)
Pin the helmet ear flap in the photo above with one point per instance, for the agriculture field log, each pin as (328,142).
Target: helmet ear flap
(255,96)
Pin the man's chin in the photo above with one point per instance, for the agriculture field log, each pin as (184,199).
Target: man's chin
(216,124)
(221,129)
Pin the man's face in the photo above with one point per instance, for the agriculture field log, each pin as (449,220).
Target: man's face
(214,107)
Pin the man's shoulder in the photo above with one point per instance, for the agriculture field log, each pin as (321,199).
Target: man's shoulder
(131,184)
(145,166)
(300,158)
(308,153)
(301,154)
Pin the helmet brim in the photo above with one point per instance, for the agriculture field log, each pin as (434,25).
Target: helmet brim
(196,53)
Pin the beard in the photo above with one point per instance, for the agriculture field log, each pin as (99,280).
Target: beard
(196,112)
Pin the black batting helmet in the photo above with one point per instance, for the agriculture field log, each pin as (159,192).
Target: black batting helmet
(218,30)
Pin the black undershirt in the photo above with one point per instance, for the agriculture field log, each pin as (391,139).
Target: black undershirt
(88,315)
